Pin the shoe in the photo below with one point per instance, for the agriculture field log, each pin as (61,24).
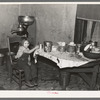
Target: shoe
(29,84)
(34,82)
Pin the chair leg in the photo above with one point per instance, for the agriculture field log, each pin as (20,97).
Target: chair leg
(11,75)
(20,82)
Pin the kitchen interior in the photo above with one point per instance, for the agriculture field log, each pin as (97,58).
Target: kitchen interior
(66,25)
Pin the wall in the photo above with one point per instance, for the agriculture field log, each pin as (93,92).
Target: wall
(8,16)
(30,10)
(54,22)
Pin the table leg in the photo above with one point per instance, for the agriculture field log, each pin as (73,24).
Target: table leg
(94,77)
(64,79)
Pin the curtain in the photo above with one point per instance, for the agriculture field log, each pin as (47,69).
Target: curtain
(86,30)
(90,30)
(96,33)
(80,31)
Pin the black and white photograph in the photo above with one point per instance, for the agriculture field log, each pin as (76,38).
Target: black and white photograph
(50,47)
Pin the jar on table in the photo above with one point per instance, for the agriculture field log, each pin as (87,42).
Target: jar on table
(47,46)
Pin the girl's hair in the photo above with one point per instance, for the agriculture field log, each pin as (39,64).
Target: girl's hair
(90,41)
(23,39)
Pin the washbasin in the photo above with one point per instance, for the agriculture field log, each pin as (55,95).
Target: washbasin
(91,55)
(27,20)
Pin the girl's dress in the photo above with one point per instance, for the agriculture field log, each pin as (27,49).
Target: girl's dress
(29,70)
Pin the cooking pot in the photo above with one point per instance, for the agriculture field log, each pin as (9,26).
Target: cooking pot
(70,48)
(47,46)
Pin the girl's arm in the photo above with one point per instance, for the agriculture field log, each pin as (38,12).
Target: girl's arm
(30,51)
(20,52)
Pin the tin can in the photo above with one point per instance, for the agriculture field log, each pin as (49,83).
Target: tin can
(47,46)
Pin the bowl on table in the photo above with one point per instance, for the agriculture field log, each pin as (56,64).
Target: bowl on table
(61,48)
(91,55)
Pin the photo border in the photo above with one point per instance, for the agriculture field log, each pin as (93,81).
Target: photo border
(29,95)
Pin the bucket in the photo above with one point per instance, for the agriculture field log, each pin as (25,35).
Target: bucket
(47,46)
(1,59)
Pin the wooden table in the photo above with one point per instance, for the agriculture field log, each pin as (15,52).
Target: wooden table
(72,63)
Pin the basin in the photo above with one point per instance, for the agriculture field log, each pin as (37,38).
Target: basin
(91,55)
(26,20)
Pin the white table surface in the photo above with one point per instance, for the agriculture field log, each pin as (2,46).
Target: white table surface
(64,59)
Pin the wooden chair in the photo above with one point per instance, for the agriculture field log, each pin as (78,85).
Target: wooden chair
(15,74)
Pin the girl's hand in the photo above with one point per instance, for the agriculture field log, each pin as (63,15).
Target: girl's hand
(29,63)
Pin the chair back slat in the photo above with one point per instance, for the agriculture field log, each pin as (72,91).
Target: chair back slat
(13,43)
(13,39)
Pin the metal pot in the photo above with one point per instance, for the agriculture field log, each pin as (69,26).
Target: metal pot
(71,48)
(47,46)
(62,48)
(27,20)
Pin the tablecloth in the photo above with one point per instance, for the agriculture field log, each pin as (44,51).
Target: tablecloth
(63,59)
